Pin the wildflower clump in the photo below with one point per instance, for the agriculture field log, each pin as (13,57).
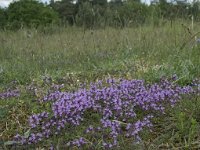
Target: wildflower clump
(10,94)
(119,105)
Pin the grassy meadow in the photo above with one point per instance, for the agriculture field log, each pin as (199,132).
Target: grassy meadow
(34,60)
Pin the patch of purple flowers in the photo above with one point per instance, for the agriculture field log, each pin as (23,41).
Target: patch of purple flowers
(9,94)
(117,102)
(78,142)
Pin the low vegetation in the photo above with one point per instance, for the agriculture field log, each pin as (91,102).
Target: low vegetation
(99,75)
(107,88)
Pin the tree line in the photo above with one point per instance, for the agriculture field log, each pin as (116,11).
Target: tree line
(93,13)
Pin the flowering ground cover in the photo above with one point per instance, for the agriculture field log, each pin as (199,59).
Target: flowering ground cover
(110,88)
(102,114)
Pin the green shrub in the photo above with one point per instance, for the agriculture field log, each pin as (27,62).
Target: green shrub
(3,18)
(30,13)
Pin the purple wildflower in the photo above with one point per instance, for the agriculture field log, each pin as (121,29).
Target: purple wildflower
(9,94)
(117,103)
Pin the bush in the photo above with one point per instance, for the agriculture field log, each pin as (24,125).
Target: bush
(30,13)
(2,18)
(66,10)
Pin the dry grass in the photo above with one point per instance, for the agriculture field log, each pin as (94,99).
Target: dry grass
(63,50)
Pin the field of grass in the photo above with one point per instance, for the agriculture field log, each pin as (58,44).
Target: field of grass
(33,63)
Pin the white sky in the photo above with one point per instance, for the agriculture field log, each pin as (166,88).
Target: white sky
(4,3)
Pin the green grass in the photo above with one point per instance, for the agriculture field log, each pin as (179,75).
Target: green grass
(73,55)
(145,51)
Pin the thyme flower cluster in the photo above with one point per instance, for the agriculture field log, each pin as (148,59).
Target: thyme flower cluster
(9,94)
(117,102)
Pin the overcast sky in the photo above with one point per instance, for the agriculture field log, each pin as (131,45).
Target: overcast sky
(4,3)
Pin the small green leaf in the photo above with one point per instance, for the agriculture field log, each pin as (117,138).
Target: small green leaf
(27,133)
(10,142)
